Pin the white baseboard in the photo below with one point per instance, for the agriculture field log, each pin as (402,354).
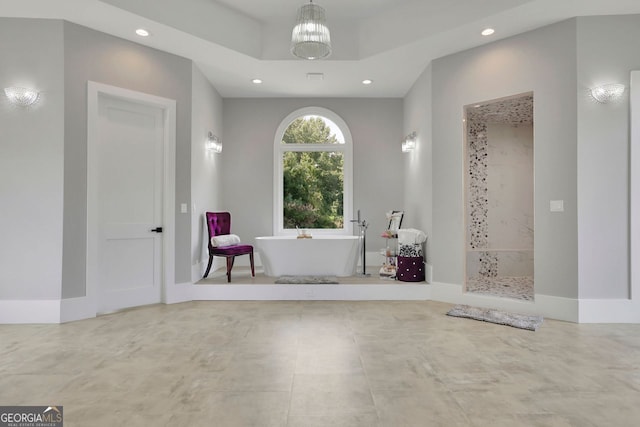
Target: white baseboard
(30,311)
(558,308)
(377,292)
(544,305)
(80,308)
(567,309)
(609,311)
(180,292)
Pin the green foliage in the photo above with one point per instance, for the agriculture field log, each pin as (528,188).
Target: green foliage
(312,130)
(313,180)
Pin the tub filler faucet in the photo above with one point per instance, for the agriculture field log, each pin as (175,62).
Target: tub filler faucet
(362,225)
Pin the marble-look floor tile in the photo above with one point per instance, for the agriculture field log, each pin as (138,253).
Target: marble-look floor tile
(246,409)
(331,394)
(530,420)
(267,375)
(399,373)
(24,389)
(367,419)
(497,399)
(319,363)
(329,360)
(433,407)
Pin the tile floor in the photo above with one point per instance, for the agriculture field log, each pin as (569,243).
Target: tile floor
(315,363)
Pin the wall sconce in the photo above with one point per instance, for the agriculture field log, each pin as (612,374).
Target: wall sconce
(607,93)
(213,143)
(409,142)
(22,97)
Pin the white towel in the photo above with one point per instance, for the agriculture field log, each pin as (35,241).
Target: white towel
(224,240)
(410,236)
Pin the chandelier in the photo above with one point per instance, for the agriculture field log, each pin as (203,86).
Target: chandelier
(310,37)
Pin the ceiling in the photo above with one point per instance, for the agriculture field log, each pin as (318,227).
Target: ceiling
(388,41)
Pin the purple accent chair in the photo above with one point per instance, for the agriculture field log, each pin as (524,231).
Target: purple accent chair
(218,224)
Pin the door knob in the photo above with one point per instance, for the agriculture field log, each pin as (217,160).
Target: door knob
(157,230)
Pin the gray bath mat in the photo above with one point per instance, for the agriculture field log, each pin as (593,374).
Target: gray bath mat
(306,280)
(496,316)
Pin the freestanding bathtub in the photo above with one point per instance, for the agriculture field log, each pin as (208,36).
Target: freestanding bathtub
(318,256)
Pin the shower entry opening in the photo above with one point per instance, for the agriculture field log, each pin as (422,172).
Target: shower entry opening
(499,197)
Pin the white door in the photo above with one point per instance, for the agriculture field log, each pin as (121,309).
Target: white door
(129,160)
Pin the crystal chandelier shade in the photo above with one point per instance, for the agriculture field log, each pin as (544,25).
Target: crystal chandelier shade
(310,38)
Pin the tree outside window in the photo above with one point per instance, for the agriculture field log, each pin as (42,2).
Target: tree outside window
(313,174)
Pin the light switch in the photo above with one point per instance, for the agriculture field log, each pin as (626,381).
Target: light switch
(556,205)
(183,208)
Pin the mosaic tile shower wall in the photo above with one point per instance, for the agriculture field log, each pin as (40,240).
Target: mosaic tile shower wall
(499,196)
(478,197)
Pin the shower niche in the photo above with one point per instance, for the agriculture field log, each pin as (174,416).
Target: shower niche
(499,197)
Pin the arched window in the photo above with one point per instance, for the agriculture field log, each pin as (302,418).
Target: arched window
(313,173)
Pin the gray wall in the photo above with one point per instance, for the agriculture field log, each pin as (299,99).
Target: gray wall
(31,161)
(206,166)
(607,52)
(418,165)
(581,151)
(250,126)
(91,55)
(542,61)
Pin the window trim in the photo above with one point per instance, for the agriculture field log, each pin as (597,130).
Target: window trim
(278,185)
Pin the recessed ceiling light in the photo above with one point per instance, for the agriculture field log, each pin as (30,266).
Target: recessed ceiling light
(142,32)
(488,31)
(367,82)
(256,81)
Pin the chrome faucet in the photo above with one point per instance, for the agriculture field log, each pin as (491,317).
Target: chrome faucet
(362,224)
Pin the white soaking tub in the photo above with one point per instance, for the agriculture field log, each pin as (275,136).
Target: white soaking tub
(319,256)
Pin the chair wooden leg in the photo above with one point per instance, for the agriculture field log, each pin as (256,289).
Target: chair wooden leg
(253,271)
(206,273)
(230,261)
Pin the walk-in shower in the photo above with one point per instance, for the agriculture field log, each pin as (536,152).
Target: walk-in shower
(499,197)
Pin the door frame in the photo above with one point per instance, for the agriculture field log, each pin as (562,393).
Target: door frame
(168,106)
(634,190)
